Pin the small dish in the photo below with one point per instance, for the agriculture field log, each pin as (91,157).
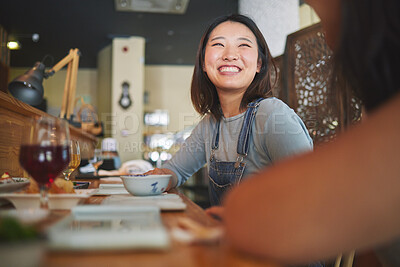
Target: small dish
(26,216)
(146,185)
(22,253)
(165,201)
(111,189)
(56,201)
(23,245)
(17,184)
(81,185)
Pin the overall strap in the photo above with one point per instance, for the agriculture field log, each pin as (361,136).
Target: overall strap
(243,140)
(215,142)
(244,136)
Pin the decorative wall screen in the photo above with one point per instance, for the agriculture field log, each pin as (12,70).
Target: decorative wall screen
(308,87)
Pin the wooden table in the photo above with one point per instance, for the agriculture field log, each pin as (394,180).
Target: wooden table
(178,254)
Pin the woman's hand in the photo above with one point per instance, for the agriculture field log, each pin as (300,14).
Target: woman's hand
(172,182)
(159,171)
(217,212)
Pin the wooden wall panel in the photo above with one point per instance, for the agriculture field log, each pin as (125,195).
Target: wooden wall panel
(15,118)
(12,127)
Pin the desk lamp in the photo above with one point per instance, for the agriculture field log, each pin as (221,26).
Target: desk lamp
(29,89)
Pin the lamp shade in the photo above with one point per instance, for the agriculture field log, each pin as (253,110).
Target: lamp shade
(28,87)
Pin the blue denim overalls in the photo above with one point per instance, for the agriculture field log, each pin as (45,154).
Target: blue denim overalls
(223,175)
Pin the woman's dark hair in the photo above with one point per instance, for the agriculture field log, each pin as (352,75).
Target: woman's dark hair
(368,55)
(203,92)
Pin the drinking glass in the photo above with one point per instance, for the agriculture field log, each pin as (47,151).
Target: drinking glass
(75,155)
(97,160)
(44,152)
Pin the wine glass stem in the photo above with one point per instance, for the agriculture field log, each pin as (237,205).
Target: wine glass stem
(66,176)
(44,198)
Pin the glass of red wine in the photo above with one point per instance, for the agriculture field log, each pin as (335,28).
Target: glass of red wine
(44,152)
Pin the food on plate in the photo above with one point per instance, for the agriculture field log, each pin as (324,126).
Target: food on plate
(5,175)
(59,186)
(33,187)
(6,178)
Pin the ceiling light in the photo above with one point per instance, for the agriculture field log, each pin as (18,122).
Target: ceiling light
(13,45)
(35,37)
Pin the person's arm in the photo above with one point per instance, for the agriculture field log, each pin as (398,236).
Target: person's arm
(189,159)
(344,196)
(172,182)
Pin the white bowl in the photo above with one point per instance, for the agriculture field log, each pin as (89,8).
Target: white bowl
(146,185)
(56,201)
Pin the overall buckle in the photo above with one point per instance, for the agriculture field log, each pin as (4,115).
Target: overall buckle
(239,160)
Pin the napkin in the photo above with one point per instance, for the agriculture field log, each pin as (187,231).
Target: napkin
(165,201)
(111,179)
(189,231)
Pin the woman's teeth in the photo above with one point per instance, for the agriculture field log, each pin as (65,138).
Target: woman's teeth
(229,69)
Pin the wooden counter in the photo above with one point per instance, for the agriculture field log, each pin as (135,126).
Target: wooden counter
(15,118)
(178,254)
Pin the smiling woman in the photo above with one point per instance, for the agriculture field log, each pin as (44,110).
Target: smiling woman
(243,129)
(346,194)
(231,61)
(231,42)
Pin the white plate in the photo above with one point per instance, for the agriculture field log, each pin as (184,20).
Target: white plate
(19,183)
(56,201)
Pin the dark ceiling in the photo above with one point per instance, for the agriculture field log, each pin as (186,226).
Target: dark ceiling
(90,25)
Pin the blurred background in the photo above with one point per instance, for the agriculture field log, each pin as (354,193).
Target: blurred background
(136,61)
